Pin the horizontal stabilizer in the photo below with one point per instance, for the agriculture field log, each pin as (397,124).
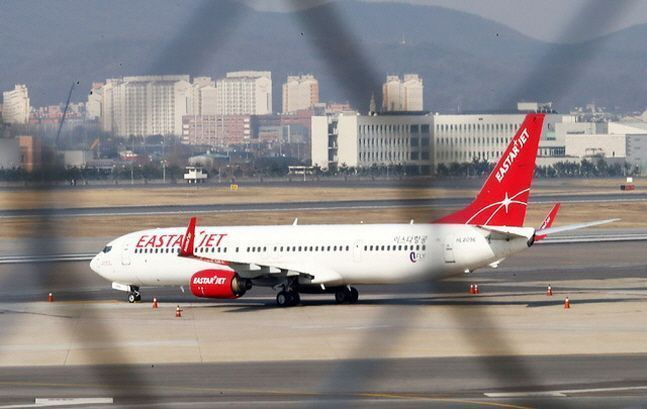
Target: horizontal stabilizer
(508,232)
(569,227)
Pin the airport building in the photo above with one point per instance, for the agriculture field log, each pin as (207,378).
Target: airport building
(299,93)
(463,138)
(420,142)
(402,94)
(15,105)
(360,141)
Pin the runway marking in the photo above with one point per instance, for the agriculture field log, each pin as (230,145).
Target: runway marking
(275,393)
(450,400)
(50,402)
(563,392)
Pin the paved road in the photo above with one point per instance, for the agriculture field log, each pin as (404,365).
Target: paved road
(599,381)
(447,202)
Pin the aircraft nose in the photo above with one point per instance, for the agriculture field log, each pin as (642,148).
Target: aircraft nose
(94,264)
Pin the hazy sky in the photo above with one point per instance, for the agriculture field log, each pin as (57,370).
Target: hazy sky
(548,20)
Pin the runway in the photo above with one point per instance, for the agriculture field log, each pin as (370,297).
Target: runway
(409,346)
(566,382)
(446,202)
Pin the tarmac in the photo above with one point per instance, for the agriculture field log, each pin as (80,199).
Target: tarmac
(415,345)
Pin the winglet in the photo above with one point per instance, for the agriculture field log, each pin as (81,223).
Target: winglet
(189,237)
(548,221)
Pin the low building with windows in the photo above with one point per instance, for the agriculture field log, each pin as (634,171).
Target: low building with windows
(360,141)
(464,138)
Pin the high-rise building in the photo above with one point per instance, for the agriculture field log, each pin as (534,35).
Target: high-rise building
(300,92)
(244,93)
(201,85)
(15,107)
(402,94)
(146,105)
(93,106)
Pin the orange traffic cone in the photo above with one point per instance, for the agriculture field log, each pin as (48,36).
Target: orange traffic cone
(178,312)
(549,291)
(155,303)
(476,288)
(50,297)
(567,303)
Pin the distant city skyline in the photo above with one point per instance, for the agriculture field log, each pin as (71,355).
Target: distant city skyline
(547,20)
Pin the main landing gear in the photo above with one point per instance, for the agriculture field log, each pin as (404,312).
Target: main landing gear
(346,295)
(288,298)
(134,295)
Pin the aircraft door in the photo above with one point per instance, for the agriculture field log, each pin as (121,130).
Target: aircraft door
(448,251)
(357,251)
(125,255)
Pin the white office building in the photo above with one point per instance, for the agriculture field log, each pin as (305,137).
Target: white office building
(354,140)
(244,93)
(424,141)
(463,138)
(15,105)
(402,94)
(300,92)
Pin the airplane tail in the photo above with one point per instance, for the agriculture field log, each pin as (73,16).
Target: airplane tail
(503,198)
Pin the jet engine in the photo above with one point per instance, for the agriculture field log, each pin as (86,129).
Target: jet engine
(218,284)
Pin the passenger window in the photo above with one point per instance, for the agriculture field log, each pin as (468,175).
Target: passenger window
(424,247)
(347,248)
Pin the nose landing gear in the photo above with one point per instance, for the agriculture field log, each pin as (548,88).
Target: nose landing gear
(134,295)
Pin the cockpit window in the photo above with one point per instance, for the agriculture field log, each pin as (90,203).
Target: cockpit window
(107,249)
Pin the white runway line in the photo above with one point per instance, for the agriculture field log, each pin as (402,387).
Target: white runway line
(51,402)
(563,392)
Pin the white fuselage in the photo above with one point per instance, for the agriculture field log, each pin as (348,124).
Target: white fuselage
(328,254)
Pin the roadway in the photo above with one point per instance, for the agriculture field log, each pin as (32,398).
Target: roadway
(445,202)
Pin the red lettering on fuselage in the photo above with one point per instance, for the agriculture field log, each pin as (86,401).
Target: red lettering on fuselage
(175,240)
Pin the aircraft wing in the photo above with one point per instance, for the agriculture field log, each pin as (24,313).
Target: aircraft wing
(310,274)
(568,227)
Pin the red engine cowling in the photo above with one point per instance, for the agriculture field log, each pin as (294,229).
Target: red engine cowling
(218,284)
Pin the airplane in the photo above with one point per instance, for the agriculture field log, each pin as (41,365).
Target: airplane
(225,262)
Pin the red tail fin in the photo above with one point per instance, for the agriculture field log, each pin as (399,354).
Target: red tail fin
(503,198)
(189,237)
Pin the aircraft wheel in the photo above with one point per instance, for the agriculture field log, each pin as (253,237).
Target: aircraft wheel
(354,295)
(132,298)
(283,299)
(342,295)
